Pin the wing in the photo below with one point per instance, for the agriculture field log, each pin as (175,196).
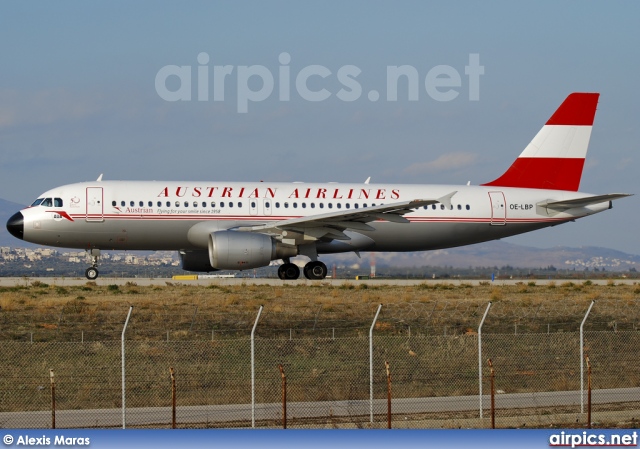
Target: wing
(331,225)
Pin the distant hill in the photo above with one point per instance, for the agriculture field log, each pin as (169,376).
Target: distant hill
(499,254)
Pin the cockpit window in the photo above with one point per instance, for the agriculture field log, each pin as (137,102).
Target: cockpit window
(57,202)
(47,202)
(37,202)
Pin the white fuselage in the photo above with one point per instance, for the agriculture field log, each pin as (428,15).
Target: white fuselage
(151,215)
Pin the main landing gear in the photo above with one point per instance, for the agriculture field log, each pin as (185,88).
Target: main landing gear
(92,272)
(313,270)
(288,271)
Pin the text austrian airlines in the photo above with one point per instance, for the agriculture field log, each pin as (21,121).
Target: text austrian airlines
(239,226)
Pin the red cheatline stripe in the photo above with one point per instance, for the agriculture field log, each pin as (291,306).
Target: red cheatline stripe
(411,219)
(542,173)
(577,109)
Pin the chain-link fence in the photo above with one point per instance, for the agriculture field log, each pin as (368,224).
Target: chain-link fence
(435,381)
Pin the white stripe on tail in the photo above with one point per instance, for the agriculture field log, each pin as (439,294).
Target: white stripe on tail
(555,157)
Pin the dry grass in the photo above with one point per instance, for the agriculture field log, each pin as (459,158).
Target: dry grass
(49,312)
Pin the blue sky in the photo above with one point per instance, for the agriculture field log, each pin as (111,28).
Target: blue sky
(78,95)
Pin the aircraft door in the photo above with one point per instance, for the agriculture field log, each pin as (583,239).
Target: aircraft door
(498,208)
(266,207)
(95,204)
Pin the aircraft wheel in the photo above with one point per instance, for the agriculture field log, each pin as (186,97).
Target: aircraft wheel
(315,270)
(91,273)
(288,271)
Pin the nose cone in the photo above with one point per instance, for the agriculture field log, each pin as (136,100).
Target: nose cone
(15,225)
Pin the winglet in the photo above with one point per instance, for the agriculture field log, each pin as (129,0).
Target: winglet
(446,200)
(99,177)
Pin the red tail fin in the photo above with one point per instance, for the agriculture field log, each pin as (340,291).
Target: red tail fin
(555,157)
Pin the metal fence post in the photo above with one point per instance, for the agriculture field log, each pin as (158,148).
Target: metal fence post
(124,408)
(582,357)
(173,397)
(371,363)
(493,395)
(53,399)
(386,365)
(284,396)
(486,312)
(253,370)
(589,391)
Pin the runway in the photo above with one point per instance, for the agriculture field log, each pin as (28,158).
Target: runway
(104,281)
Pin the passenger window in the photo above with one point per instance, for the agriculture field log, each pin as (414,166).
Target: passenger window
(338,205)
(213,204)
(347,206)
(230,203)
(239,204)
(253,204)
(433,206)
(131,203)
(442,207)
(304,205)
(330,205)
(195,204)
(122,203)
(468,207)
(204,204)
(355,205)
(267,204)
(141,204)
(186,204)
(113,203)
(321,205)
(57,202)
(168,203)
(177,203)
(286,205)
(295,205)
(364,205)
(277,205)
(459,206)
(159,203)
(221,203)
(150,203)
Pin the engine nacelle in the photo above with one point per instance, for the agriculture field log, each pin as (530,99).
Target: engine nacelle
(196,261)
(234,250)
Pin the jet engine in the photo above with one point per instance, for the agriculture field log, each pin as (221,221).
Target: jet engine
(196,261)
(234,250)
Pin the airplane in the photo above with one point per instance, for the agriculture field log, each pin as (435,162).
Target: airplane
(240,226)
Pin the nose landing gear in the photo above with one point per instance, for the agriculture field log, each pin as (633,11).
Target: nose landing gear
(92,272)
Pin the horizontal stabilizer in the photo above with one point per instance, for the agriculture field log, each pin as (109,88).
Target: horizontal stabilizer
(582,202)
